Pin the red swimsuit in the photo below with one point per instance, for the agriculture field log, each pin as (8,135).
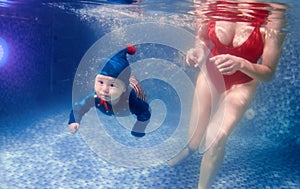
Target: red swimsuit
(250,50)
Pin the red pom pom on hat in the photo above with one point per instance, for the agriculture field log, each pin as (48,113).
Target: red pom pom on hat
(131,49)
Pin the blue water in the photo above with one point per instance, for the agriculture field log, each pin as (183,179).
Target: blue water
(47,42)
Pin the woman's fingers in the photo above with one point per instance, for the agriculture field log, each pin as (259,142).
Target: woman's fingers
(195,57)
(219,59)
(226,64)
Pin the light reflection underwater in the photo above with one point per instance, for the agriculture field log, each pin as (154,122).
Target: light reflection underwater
(38,151)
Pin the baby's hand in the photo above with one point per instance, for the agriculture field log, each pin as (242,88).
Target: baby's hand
(195,57)
(73,127)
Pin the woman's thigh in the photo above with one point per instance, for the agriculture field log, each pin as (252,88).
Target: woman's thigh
(230,110)
(205,101)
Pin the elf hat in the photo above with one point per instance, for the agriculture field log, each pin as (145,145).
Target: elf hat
(118,65)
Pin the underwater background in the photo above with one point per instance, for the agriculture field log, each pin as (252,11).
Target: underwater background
(46,40)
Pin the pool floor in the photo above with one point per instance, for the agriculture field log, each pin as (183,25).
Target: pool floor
(37,151)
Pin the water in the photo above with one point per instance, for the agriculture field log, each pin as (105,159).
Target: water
(48,41)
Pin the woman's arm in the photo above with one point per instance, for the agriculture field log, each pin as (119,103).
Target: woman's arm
(197,55)
(274,38)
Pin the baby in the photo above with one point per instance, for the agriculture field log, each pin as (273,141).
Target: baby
(117,93)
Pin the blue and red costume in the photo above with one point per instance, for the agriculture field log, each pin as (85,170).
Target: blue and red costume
(132,101)
(133,105)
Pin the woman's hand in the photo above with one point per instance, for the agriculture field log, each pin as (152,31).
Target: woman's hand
(195,57)
(227,64)
(73,127)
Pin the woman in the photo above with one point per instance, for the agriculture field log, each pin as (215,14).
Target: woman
(245,41)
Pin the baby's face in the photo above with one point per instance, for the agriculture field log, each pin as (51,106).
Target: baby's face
(109,88)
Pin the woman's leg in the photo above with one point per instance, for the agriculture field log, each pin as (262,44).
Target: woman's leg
(235,103)
(200,115)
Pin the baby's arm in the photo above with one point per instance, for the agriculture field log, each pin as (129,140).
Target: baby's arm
(79,109)
(139,128)
(73,127)
(142,111)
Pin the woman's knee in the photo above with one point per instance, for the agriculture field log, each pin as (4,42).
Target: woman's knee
(217,143)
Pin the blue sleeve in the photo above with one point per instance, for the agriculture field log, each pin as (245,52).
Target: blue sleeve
(122,1)
(80,108)
(139,107)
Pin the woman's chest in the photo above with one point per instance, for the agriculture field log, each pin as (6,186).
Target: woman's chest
(232,34)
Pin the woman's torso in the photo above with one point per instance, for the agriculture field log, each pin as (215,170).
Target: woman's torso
(237,39)
(235,28)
